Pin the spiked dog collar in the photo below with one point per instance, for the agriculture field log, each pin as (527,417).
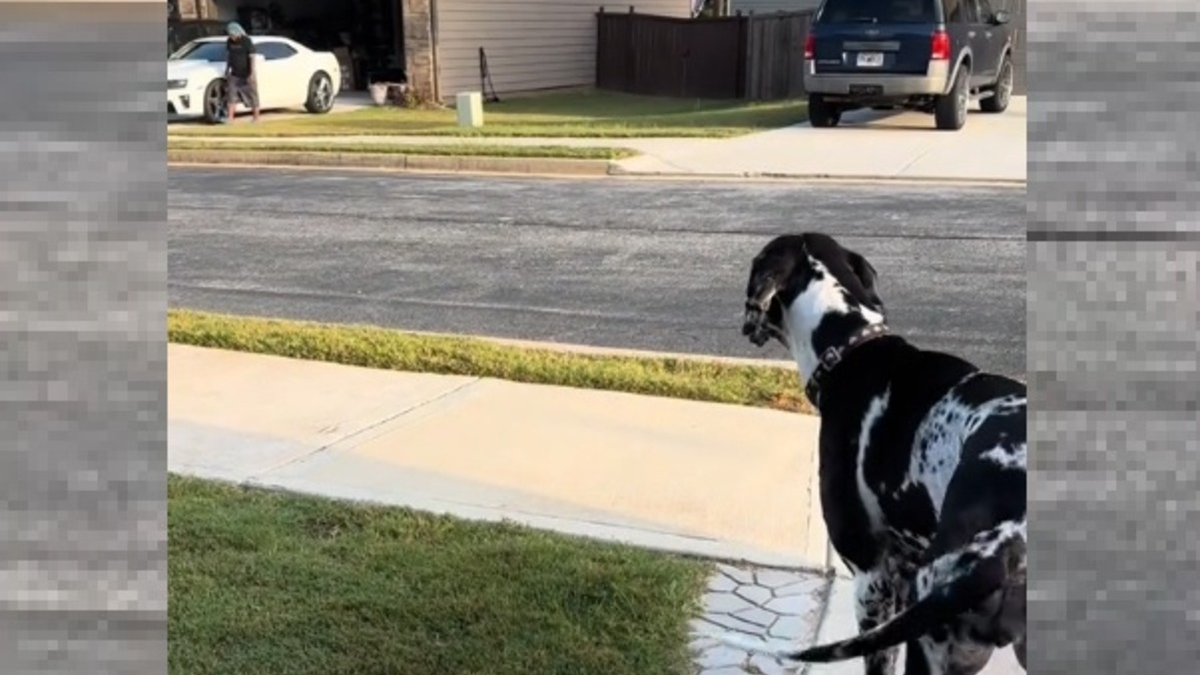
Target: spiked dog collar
(834,355)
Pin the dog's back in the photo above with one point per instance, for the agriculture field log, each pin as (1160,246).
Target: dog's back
(968,456)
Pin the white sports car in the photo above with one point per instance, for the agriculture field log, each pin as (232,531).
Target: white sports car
(289,75)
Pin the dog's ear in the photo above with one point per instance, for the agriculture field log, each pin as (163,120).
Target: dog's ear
(862,269)
(866,274)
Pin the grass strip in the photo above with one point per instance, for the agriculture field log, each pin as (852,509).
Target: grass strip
(266,582)
(693,379)
(439,150)
(586,114)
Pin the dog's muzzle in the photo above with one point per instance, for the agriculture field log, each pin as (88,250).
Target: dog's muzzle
(755,324)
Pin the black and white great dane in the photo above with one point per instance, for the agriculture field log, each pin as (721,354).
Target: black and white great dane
(922,466)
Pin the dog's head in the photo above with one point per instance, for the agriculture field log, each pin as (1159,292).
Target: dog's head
(826,277)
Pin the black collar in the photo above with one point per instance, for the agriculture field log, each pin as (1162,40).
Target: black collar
(834,355)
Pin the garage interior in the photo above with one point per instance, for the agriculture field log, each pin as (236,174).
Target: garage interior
(367,36)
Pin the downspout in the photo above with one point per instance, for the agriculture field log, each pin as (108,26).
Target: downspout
(433,40)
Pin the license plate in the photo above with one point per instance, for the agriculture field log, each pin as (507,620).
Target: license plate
(870,59)
(866,90)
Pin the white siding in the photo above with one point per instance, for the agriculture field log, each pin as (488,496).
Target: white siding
(771,6)
(530,44)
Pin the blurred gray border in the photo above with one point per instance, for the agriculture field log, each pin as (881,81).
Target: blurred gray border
(1114,315)
(83,545)
(1113,309)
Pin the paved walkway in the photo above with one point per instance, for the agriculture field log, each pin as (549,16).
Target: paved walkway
(706,479)
(725,481)
(346,102)
(869,145)
(751,614)
(778,608)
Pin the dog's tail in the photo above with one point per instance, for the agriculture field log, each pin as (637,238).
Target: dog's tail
(938,608)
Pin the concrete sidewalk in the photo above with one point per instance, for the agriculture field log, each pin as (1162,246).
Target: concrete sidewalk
(868,145)
(725,481)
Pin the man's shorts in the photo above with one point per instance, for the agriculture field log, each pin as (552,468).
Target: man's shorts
(245,90)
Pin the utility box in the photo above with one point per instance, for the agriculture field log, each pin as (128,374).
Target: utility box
(469,105)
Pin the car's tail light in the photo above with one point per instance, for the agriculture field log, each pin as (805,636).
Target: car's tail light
(810,46)
(939,50)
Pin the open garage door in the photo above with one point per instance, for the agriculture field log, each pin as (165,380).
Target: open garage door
(366,35)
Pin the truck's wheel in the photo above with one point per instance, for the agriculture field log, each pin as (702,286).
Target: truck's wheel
(950,112)
(820,114)
(1001,91)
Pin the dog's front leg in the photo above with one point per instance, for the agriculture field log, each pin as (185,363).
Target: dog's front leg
(875,603)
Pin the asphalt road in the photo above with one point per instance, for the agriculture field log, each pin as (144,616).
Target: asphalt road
(636,264)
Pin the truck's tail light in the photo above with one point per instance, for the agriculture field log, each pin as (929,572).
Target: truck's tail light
(939,50)
(810,45)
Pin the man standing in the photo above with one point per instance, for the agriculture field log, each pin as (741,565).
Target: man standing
(239,69)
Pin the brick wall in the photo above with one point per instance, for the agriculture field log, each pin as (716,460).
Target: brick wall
(418,47)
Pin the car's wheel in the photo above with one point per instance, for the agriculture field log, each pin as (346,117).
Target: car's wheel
(820,114)
(1001,91)
(950,111)
(320,94)
(215,103)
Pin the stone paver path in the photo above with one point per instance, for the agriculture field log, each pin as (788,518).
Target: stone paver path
(756,605)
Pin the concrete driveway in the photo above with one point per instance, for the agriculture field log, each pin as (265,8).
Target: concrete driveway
(868,145)
(345,102)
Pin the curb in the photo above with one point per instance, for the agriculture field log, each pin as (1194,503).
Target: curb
(562,347)
(616,170)
(588,350)
(401,162)
(537,166)
(700,548)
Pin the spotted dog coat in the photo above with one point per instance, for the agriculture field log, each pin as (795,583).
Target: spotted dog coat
(922,467)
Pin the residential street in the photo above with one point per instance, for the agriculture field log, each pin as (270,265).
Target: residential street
(639,264)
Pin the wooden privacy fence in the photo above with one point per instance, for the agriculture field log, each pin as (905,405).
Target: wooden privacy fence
(755,57)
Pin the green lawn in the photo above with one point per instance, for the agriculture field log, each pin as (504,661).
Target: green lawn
(370,347)
(578,114)
(439,150)
(263,583)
